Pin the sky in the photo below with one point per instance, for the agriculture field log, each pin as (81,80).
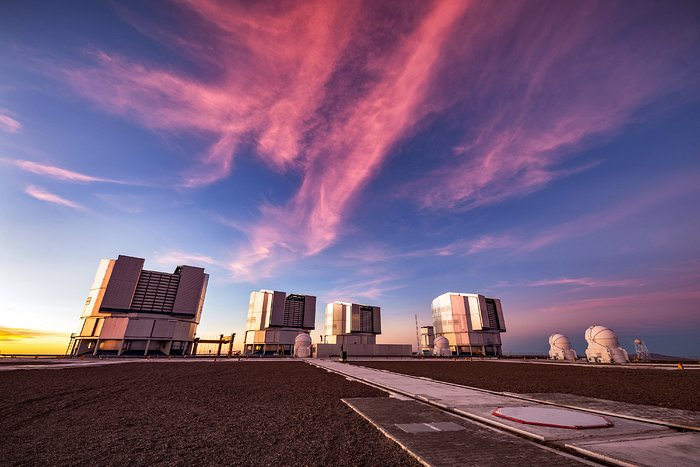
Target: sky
(381,152)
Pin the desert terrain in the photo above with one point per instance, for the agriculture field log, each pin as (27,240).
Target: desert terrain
(157,413)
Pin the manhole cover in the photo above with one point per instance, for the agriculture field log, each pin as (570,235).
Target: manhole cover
(551,416)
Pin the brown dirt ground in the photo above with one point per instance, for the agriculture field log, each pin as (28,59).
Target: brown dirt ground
(188,413)
(676,389)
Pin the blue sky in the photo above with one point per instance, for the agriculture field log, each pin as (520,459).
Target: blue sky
(384,153)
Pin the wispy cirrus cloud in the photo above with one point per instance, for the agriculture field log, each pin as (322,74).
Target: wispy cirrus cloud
(343,159)
(270,81)
(57,173)
(582,282)
(326,90)
(46,196)
(477,245)
(289,83)
(630,315)
(515,242)
(677,185)
(625,303)
(191,259)
(370,289)
(545,96)
(9,124)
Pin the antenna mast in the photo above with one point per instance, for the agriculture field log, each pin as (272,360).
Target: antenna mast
(417,334)
(643,354)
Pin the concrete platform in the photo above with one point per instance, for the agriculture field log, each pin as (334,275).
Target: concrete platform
(653,451)
(440,439)
(626,443)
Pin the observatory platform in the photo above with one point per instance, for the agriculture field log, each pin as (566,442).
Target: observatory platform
(627,442)
(352,329)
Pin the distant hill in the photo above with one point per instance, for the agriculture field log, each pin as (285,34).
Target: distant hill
(657,357)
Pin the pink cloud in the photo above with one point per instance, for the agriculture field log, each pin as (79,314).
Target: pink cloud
(625,301)
(469,246)
(180,258)
(43,195)
(559,85)
(9,124)
(271,76)
(370,290)
(276,86)
(664,191)
(350,153)
(464,247)
(582,281)
(482,243)
(317,90)
(644,311)
(665,302)
(55,172)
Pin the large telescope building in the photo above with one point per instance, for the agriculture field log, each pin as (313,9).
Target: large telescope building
(275,319)
(352,323)
(353,328)
(472,323)
(135,311)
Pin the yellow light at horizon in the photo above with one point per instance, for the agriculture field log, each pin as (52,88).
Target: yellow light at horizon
(29,341)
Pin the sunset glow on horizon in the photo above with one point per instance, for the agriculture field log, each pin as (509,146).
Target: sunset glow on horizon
(544,153)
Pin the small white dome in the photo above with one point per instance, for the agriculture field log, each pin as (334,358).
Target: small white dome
(601,334)
(442,347)
(604,346)
(560,348)
(302,339)
(441,342)
(553,338)
(302,345)
(560,341)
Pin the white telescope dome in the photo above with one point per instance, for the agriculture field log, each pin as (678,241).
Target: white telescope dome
(442,347)
(560,341)
(604,346)
(302,345)
(602,335)
(302,339)
(560,348)
(441,342)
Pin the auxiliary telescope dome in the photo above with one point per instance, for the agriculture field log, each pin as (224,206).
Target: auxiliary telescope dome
(604,346)
(442,347)
(302,345)
(560,348)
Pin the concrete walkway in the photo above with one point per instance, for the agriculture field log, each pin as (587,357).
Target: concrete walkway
(626,443)
(437,438)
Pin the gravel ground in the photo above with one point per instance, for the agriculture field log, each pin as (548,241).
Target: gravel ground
(266,413)
(676,389)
